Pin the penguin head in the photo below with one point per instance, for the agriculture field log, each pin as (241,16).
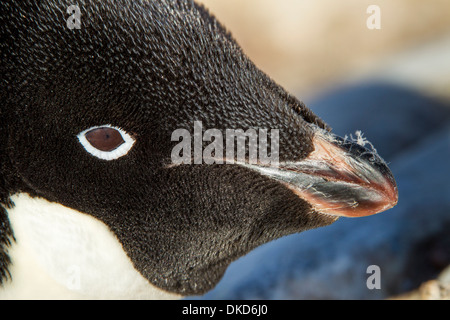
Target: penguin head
(88,117)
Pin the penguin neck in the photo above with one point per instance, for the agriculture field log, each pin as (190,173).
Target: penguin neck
(61,253)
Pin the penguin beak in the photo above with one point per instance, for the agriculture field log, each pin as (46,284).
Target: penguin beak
(340,177)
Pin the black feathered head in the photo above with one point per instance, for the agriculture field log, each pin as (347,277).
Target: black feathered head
(87,121)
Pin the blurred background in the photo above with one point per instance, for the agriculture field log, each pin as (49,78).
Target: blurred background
(391,83)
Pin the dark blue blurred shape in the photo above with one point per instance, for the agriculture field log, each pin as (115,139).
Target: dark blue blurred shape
(391,117)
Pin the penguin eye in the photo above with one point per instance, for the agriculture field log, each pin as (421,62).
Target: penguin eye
(104,139)
(106,142)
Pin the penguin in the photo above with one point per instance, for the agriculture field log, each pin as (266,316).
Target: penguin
(92,205)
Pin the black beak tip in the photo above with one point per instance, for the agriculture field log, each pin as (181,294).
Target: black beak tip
(372,173)
(349,179)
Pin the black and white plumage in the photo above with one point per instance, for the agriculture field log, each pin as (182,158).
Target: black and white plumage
(96,221)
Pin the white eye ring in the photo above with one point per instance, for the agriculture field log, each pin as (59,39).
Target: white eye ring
(120,151)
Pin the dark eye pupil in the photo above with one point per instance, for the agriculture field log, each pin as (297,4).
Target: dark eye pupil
(104,139)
